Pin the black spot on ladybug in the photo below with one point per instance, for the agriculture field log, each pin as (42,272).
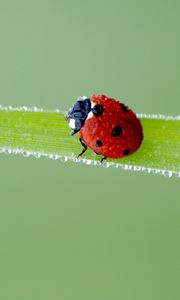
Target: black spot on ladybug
(123,107)
(98,143)
(117,130)
(126,151)
(97,110)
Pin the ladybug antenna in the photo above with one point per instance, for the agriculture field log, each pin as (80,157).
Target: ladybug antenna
(73,131)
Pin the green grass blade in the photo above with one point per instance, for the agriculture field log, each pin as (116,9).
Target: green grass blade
(41,133)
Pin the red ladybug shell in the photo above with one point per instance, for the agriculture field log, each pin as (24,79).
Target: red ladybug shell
(115,133)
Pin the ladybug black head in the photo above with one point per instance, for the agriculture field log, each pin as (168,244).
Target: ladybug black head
(77,114)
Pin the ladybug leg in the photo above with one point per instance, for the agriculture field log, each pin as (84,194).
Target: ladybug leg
(103,158)
(84,147)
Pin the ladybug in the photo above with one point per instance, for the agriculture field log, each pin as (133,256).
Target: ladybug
(106,126)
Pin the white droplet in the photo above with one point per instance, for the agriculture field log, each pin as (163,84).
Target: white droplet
(37,155)
(26,153)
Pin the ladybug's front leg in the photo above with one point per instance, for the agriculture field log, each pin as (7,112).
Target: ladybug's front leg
(84,147)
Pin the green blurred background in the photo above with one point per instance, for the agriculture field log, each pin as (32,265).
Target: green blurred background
(70,231)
